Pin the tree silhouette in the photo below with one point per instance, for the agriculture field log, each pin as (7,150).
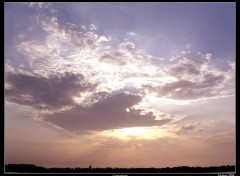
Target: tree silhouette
(30,168)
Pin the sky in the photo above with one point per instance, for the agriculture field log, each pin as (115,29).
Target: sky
(120,84)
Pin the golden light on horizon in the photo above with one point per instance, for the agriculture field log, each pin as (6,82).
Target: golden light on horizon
(136,133)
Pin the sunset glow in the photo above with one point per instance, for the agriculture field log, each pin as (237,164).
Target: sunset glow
(120,84)
(136,133)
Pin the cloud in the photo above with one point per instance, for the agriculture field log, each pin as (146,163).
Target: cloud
(208,86)
(108,113)
(189,65)
(44,93)
(190,129)
(222,139)
(41,6)
(127,46)
(194,78)
(82,39)
(74,66)
(131,33)
(68,48)
(186,67)
(113,57)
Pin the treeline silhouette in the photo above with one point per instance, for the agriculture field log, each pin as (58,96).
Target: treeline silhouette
(30,168)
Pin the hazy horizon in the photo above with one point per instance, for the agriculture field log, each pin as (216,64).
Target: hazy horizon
(120,84)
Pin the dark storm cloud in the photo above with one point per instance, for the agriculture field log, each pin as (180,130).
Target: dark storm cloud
(41,92)
(108,113)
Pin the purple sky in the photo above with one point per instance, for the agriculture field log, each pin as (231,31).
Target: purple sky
(120,84)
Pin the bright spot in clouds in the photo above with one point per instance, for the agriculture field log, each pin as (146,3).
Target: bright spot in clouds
(136,133)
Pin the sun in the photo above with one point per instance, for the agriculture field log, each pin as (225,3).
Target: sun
(132,132)
(136,133)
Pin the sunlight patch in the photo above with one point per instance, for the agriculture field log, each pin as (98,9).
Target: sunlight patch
(136,133)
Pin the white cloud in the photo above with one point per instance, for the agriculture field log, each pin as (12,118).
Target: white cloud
(43,5)
(67,48)
(93,27)
(131,33)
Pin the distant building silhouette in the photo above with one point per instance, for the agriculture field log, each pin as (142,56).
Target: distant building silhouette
(90,167)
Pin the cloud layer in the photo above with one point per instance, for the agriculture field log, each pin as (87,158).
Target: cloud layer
(40,92)
(108,113)
(101,81)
